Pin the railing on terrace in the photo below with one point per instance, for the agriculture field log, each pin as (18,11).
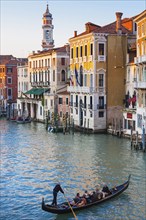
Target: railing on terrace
(81,89)
(140,85)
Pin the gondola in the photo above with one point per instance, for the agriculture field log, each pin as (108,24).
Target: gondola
(65,208)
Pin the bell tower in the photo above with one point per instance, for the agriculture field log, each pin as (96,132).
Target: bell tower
(47,42)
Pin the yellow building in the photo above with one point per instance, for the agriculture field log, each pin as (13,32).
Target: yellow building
(97,64)
(140,61)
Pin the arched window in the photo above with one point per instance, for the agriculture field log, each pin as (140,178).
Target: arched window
(63,75)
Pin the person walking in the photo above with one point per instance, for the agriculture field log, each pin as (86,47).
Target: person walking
(56,189)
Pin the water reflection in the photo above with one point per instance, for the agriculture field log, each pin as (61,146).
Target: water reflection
(33,160)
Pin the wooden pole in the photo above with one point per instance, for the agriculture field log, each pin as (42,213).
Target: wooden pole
(71,208)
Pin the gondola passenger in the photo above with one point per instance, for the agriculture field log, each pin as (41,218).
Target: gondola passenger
(106,191)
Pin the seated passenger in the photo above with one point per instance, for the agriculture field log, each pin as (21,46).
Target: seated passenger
(77,199)
(82,203)
(87,196)
(99,194)
(106,191)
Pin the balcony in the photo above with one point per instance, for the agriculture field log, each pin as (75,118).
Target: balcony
(80,59)
(71,104)
(90,58)
(90,106)
(140,85)
(140,59)
(80,89)
(101,106)
(75,104)
(76,60)
(84,59)
(40,84)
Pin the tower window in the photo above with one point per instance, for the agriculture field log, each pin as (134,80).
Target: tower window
(63,61)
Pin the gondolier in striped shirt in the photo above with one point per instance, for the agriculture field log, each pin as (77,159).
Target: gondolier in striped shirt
(56,189)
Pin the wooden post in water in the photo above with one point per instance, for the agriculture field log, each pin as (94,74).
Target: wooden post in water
(143,139)
(73,126)
(136,144)
(131,137)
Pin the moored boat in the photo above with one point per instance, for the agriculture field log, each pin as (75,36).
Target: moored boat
(65,208)
(22,120)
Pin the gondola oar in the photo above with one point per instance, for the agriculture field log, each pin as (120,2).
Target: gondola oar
(70,207)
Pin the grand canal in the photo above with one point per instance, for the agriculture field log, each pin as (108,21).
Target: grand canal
(33,160)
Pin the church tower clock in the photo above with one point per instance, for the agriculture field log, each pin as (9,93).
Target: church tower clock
(47,42)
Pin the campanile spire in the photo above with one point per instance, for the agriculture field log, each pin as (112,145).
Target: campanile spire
(47,42)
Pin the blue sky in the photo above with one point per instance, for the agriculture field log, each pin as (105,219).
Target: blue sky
(21,21)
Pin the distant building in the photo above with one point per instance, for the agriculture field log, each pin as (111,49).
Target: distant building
(23,86)
(47,73)
(8,82)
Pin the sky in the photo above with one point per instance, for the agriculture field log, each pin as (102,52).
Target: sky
(21,20)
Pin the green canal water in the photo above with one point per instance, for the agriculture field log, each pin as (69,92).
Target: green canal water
(33,161)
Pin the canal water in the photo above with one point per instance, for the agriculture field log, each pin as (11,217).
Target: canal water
(33,160)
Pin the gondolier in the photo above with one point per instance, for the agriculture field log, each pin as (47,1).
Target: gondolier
(56,189)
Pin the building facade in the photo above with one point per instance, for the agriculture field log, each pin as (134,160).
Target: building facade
(98,67)
(140,82)
(8,83)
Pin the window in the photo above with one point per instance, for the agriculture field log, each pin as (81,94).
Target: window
(63,61)
(72,53)
(9,70)
(77,53)
(10,93)
(85,80)
(41,111)
(91,49)
(63,75)
(9,80)
(61,114)
(91,80)
(101,80)
(66,101)
(101,114)
(101,102)
(101,49)
(81,51)
(29,64)
(53,75)
(60,100)
(85,50)
(51,102)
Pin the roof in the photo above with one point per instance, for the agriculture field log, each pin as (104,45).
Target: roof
(50,51)
(107,29)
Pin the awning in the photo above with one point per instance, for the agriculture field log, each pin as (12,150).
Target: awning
(37,91)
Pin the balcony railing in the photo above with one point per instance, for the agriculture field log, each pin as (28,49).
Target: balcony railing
(81,89)
(71,104)
(139,85)
(90,106)
(33,84)
(101,106)
(75,104)
(140,59)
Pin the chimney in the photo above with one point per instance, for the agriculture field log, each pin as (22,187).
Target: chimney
(118,22)
(75,33)
(87,27)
